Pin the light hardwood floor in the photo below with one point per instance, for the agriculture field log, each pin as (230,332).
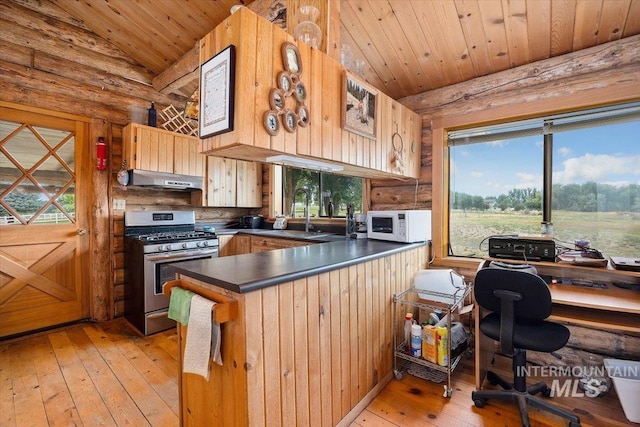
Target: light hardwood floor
(107,374)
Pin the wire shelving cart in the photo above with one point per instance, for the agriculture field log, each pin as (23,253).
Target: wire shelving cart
(413,299)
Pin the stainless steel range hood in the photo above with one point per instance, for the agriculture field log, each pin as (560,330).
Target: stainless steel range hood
(169,181)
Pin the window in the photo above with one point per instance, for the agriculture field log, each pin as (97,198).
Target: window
(577,173)
(38,165)
(323,188)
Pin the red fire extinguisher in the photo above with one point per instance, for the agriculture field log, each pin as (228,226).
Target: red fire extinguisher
(101,154)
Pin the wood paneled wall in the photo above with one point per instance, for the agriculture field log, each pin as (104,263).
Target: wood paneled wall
(332,345)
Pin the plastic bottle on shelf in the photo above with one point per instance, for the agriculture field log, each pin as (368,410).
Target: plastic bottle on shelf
(443,347)
(408,322)
(430,343)
(416,340)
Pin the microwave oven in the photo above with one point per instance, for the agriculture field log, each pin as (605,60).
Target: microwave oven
(406,226)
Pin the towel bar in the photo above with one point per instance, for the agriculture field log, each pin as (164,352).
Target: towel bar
(226,308)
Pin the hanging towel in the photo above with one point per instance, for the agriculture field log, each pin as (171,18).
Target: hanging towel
(216,339)
(197,348)
(179,305)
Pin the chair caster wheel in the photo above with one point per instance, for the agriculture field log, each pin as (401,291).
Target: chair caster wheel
(547,393)
(479,402)
(397,374)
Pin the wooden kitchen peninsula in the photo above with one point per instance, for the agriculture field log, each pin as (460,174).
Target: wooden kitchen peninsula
(312,343)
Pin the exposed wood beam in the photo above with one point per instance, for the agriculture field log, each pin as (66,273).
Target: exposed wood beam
(527,80)
(275,11)
(181,73)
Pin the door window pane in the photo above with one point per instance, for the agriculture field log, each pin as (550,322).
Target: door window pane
(38,184)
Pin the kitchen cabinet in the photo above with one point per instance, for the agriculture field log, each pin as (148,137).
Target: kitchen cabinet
(259,244)
(258,61)
(159,150)
(234,244)
(238,244)
(322,340)
(232,183)
(403,132)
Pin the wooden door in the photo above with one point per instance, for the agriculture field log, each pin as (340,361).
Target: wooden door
(43,223)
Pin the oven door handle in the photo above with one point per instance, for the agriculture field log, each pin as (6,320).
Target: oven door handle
(181,255)
(158,315)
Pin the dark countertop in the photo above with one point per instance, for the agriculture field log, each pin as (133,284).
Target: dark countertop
(250,272)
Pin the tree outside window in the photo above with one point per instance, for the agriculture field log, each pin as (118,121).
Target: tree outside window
(323,188)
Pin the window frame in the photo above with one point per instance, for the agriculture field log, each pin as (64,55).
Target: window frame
(448,121)
(276,179)
(544,127)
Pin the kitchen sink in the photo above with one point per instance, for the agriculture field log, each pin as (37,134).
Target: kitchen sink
(297,234)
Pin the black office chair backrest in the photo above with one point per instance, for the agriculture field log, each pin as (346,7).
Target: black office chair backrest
(535,302)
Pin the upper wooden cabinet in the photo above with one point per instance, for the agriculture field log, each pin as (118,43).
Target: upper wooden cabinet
(233,183)
(154,149)
(258,45)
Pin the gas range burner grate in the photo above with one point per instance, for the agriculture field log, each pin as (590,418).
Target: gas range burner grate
(187,235)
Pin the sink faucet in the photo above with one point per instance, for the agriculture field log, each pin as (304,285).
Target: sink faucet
(307,196)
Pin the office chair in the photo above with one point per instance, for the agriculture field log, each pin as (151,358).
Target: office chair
(519,301)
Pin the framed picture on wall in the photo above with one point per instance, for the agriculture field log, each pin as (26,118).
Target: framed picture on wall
(217,80)
(359,106)
(291,58)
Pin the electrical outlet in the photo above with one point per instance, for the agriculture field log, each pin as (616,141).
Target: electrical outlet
(119,204)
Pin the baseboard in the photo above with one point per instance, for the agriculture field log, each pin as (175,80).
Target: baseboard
(368,398)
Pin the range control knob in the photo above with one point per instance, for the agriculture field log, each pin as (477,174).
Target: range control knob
(185,245)
(205,244)
(165,248)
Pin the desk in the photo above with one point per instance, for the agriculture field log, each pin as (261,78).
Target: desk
(612,308)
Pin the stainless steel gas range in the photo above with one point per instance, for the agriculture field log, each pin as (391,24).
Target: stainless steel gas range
(153,241)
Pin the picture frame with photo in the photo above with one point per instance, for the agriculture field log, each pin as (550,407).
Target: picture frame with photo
(290,121)
(217,87)
(291,59)
(271,122)
(359,106)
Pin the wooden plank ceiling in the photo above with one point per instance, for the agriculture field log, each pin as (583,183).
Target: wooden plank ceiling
(409,46)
